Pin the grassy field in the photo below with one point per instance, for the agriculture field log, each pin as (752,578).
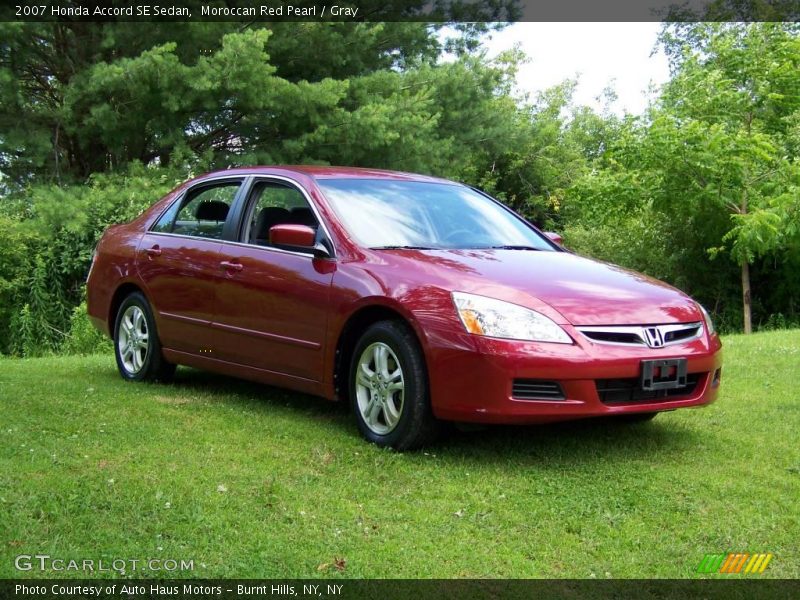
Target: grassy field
(249,481)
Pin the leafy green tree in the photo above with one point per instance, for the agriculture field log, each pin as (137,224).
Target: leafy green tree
(713,167)
(542,154)
(721,135)
(82,98)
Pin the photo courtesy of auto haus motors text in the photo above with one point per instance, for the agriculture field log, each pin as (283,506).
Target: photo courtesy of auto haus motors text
(182,589)
(145,11)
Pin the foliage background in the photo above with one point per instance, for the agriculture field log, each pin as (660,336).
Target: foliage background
(97,121)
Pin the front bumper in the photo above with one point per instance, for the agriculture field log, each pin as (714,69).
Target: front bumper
(472,377)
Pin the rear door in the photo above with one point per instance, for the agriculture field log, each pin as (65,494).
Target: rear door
(272,303)
(178,262)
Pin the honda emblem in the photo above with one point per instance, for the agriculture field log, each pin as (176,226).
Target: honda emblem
(653,337)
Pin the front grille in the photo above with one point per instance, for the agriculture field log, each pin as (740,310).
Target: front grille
(679,335)
(654,336)
(616,391)
(613,337)
(537,389)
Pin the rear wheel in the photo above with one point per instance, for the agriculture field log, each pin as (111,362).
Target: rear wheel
(389,388)
(136,345)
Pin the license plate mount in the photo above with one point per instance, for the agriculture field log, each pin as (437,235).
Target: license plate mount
(663,374)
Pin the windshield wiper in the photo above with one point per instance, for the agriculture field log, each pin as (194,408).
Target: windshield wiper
(402,248)
(512,247)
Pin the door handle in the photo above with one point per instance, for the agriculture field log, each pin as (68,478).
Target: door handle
(231,265)
(154,251)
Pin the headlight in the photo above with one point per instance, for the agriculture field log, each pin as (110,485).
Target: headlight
(495,318)
(707,319)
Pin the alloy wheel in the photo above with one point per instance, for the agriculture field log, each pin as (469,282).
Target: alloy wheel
(133,341)
(380,388)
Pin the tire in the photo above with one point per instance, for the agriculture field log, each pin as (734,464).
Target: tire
(388,387)
(136,344)
(637,417)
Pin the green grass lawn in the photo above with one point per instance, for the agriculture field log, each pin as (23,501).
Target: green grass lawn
(251,481)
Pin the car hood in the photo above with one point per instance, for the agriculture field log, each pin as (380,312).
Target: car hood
(583,291)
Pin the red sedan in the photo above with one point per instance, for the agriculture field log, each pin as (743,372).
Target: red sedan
(416,299)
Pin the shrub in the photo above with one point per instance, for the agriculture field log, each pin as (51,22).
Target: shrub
(54,230)
(83,338)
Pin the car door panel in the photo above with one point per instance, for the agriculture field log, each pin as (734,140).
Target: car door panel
(271,311)
(180,274)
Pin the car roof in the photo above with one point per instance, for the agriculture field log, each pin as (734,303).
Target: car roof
(330,172)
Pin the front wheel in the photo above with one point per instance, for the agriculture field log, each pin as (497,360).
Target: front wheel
(389,388)
(136,345)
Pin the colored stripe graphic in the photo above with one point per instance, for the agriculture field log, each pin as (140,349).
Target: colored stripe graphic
(727,564)
(754,560)
(734,562)
(741,562)
(710,563)
(765,563)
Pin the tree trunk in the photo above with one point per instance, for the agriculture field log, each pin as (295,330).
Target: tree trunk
(747,312)
(746,301)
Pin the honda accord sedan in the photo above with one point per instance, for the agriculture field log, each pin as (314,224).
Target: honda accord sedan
(415,299)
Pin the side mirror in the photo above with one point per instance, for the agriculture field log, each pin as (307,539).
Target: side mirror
(298,237)
(554,237)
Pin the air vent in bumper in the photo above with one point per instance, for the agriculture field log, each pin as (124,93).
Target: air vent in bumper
(622,391)
(537,389)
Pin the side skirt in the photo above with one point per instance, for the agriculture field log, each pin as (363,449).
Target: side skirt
(282,380)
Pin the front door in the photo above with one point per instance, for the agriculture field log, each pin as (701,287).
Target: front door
(271,310)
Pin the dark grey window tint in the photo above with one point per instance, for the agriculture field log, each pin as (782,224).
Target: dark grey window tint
(276,204)
(202,212)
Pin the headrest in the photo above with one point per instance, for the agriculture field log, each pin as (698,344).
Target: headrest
(212,210)
(303,216)
(269,216)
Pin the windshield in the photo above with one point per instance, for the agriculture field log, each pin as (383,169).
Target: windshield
(382,213)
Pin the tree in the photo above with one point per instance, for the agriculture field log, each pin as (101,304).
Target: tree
(80,98)
(721,134)
(541,156)
(711,170)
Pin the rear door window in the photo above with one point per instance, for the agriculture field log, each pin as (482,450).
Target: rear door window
(201,213)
